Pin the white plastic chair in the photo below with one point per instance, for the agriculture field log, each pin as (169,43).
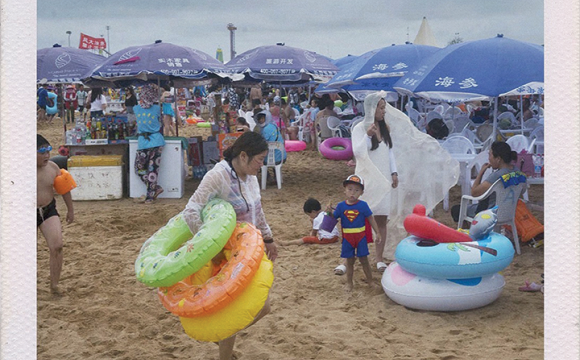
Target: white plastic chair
(478,145)
(450,125)
(474,166)
(537,136)
(452,113)
(355,121)
(440,108)
(416,118)
(250,119)
(518,143)
(433,115)
(271,162)
(457,145)
(333,124)
(506,199)
(510,116)
(461,122)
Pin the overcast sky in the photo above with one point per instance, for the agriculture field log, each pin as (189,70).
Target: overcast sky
(331,28)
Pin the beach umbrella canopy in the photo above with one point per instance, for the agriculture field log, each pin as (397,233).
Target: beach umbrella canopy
(59,64)
(280,64)
(472,70)
(160,62)
(379,69)
(341,62)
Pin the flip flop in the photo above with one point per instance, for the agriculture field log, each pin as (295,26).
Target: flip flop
(157,192)
(381,266)
(340,270)
(530,287)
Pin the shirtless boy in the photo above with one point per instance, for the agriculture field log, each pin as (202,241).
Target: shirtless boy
(47,219)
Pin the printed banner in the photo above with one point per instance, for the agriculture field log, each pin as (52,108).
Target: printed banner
(89,42)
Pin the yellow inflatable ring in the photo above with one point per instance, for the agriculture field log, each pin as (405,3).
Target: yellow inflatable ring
(238,314)
(188,299)
(171,254)
(64,182)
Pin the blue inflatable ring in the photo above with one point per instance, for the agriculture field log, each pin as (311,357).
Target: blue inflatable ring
(454,260)
(52,109)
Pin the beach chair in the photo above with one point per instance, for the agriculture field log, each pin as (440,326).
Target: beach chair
(506,199)
(273,146)
(537,136)
(518,143)
(333,124)
(452,113)
(457,145)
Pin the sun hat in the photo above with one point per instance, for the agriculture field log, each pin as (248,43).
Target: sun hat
(354,179)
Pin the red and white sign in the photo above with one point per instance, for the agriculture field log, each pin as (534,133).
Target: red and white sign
(89,42)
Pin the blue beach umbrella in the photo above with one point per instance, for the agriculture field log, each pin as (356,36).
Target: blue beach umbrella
(160,62)
(379,69)
(280,64)
(478,69)
(65,64)
(341,62)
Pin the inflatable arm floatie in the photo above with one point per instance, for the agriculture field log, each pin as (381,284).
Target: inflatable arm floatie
(64,182)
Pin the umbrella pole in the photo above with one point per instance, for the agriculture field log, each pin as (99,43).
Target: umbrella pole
(522,112)
(160,105)
(496,100)
(176,113)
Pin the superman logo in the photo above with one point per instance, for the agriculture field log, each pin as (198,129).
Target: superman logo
(351,214)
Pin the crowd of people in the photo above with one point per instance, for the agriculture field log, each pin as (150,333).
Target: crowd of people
(391,159)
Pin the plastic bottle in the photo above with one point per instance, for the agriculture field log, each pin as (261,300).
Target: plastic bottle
(537,165)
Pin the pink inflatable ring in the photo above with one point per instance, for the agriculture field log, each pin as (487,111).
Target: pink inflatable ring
(294,145)
(327,148)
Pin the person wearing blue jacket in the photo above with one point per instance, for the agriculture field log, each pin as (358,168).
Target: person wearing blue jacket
(150,142)
(271,133)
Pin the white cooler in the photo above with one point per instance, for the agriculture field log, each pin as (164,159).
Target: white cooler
(98,177)
(172,171)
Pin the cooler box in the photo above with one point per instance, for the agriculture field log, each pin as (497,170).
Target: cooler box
(172,170)
(98,177)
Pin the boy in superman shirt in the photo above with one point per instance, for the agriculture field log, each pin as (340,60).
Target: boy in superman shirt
(353,214)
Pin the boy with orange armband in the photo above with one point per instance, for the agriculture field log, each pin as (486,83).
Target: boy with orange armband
(47,219)
(317,235)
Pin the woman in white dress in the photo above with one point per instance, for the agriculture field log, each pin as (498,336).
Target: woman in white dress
(422,173)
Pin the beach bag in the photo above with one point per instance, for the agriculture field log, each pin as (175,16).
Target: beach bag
(525,162)
(527,225)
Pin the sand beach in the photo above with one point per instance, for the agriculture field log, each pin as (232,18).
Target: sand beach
(103,312)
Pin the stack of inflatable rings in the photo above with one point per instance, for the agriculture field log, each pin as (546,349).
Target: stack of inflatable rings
(447,276)
(213,301)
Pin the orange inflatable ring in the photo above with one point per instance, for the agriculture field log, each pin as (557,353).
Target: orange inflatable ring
(186,299)
(64,182)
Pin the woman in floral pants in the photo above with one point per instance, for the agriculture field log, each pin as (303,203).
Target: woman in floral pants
(150,142)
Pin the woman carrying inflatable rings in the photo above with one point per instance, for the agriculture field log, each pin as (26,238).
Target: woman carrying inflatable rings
(234,180)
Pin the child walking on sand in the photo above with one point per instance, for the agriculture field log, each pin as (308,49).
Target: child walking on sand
(352,214)
(317,235)
(47,219)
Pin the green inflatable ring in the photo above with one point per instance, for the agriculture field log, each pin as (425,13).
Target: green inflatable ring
(173,253)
